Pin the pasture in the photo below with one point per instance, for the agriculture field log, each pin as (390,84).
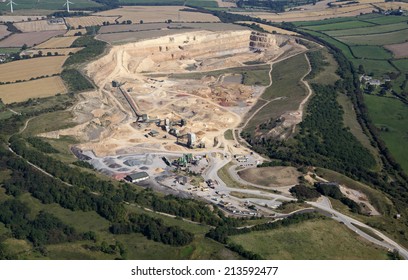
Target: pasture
(39,25)
(19,92)
(78,22)
(158,14)
(317,239)
(57,42)
(376,29)
(375,67)
(31,68)
(402,64)
(377,39)
(30,38)
(390,116)
(371,52)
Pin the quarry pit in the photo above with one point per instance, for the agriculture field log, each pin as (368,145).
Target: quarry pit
(144,72)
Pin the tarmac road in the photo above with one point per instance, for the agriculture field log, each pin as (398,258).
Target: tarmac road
(387,243)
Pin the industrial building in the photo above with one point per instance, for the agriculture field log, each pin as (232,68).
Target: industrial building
(137,177)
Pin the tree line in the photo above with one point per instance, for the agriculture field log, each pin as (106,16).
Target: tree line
(44,229)
(153,229)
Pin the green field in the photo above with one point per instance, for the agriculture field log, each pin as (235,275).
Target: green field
(376,67)
(377,39)
(9,50)
(318,239)
(49,5)
(340,26)
(321,22)
(368,30)
(388,19)
(343,47)
(328,76)
(137,246)
(286,83)
(391,115)
(350,121)
(402,64)
(371,52)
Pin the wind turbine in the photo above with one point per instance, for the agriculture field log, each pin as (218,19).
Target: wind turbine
(11,5)
(67,4)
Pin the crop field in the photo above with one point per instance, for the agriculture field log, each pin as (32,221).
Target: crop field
(15,18)
(78,22)
(31,68)
(271,29)
(132,27)
(399,50)
(73,31)
(158,14)
(313,14)
(198,3)
(125,37)
(64,51)
(321,239)
(48,5)
(390,116)
(340,25)
(376,29)
(377,39)
(373,52)
(19,92)
(39,25)
(30,38)
(115,35)
(3,31)
(57,42)
(392,5)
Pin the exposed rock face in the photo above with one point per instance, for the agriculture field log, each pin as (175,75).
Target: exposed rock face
(186,52)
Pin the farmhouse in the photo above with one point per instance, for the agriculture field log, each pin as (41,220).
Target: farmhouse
(374,82)
(137,177)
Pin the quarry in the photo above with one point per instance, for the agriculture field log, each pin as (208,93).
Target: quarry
(163,105)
